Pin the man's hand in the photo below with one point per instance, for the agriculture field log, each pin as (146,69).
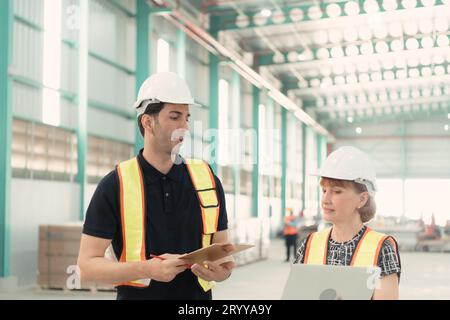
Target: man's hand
(211,271)
(165,268)
(214,271)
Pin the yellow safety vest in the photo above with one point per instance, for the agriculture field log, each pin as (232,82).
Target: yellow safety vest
(132,209)
(366,252)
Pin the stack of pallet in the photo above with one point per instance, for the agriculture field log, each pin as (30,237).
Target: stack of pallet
(58,253)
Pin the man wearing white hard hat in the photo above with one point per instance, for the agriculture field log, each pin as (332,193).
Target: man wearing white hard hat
(348,184)
(156,207)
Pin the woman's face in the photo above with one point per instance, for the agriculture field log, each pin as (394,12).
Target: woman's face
(339,203)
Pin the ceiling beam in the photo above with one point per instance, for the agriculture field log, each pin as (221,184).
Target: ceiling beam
(229,21)
(203,37)
(371,85)
(384,116)
(313,58)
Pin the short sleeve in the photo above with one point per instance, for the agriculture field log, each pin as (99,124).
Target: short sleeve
(389,259)
(103,214)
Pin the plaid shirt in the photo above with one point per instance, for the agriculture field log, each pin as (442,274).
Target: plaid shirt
(340,254)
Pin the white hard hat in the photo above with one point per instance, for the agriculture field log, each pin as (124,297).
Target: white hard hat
(165,87)
(350,163)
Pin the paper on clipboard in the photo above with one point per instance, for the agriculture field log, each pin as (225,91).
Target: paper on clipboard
(214,252)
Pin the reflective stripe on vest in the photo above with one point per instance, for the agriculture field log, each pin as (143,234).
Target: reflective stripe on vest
(317,247)
(205,186)
(132,212)
(368,249)
(365,255)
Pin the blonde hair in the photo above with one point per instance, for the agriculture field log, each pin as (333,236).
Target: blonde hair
(366,212)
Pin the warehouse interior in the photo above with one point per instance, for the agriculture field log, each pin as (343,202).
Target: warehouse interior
(281,84)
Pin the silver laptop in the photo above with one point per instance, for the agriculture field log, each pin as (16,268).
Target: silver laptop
(324,282)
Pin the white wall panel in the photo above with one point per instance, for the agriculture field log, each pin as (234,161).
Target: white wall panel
(230,206)
(27,54)
(27,104)
(69,69)
(197,59)
(69,114)
(32,11)
(35,202)
(109,85)
(161,28)
(26,101)
(70,20)
(112,34)
(110,126)
(245,205)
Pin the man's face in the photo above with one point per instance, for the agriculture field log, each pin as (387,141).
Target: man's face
(170,127)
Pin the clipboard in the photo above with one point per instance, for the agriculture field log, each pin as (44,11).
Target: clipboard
(214,252)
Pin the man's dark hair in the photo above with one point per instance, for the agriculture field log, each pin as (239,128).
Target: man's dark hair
(153,110)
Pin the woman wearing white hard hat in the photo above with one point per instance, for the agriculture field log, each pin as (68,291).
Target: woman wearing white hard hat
(348,184)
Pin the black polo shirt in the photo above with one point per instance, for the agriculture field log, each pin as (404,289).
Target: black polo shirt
(174,225)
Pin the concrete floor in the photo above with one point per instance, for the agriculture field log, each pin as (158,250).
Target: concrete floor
(424,276)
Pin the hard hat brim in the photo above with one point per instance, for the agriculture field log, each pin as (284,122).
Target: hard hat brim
(374,185)
(138,103)
(319,174)
(195,104)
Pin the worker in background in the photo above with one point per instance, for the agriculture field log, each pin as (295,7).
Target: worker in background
(290,234)
(156,207)
(348,183)
(431,231)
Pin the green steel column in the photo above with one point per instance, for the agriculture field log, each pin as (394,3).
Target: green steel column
(213,92)
(255,171)
(143,40)
(181,53)
(270,125)
(304,129)
(321,153)
(283,159)
(236,107)
(6,14)
(82,101)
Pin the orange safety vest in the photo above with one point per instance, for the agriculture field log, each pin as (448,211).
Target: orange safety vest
(132,211)
(366,253)
(288,228)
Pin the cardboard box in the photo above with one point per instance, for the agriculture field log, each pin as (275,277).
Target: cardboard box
(59,281)
(55,264)
(69,231)
(58,250)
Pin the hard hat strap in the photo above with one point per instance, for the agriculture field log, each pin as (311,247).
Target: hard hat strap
(368,184)
(144,104)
